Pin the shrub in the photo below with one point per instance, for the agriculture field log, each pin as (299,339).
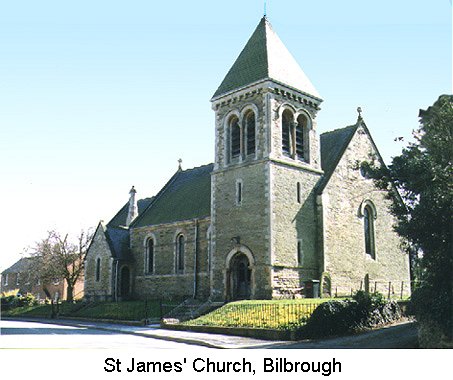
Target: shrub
(342,317)
(27,300)
(434,315)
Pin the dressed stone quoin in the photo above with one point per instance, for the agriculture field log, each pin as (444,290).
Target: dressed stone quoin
(281,213)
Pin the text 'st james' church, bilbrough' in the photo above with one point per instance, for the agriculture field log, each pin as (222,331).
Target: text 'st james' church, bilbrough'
(282,211)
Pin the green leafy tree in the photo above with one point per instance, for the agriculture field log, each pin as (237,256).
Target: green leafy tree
(423,175)
(57,257)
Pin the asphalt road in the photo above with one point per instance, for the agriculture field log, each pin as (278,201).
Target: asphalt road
(397,336)
(29,334)
(22,334)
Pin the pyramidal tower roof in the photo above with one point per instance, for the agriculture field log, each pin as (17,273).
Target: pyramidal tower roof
(265,57)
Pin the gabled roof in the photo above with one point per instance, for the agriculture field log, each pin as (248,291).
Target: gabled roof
(19,266)
(117,234)
(118,240)
(333,145)
(120,218)
(265,57)
(186,196)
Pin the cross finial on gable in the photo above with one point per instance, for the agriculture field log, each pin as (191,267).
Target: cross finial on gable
(359,111)
(179,164)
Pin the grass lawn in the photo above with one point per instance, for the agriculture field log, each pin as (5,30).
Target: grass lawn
(272,314)
(126,310)
(275,314)
(65,309)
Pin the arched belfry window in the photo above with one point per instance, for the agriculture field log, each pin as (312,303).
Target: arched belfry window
(302,146)
(235,137)
(180,249)
(369,215)
(149,256)
(295,136)
(287,121)
(249,129)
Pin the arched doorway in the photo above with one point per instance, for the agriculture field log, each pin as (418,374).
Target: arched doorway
(125,282)
(240,277)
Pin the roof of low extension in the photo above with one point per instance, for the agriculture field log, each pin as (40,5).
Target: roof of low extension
(265,57)
(116,232)
(186,196)
(118,240)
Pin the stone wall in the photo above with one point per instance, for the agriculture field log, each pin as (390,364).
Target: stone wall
(343,231)
(269,221)
(278,101)
(102,289)
(247,221)
(165,282)
(293,220)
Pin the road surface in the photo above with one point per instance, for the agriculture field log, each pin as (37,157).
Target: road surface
(22,334)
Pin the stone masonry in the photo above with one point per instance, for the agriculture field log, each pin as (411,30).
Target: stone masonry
(345,259)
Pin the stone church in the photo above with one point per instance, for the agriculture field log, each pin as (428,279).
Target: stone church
(281,213)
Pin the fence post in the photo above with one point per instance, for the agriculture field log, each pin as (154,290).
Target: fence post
(336,291)
(375,286)
(402,288)
(390,286)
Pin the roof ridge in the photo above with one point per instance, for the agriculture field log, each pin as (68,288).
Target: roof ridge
(340,129)
(196,167)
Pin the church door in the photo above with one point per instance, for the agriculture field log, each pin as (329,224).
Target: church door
(125,283)
(240,275)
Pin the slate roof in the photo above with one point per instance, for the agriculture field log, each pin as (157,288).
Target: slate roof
(187,195)
(265,57)
(19,266)
(120,218)
(333,145)
(118,240)
(116,232)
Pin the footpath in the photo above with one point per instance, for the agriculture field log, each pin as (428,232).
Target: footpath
(400,335)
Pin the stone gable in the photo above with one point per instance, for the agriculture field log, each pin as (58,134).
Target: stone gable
(343,229)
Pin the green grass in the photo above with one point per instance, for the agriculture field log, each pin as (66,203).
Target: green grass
(126,310)
(272,314)
(65,309)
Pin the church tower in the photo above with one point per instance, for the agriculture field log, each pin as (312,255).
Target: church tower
(267,163)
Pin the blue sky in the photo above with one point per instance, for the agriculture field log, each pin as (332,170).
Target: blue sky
(98,96)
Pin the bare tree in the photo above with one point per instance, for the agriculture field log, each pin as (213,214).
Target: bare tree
(57,257)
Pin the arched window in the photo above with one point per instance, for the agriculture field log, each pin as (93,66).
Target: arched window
(249,128)
(98,269)
(149,262)
(368,224)
(180,248)
(287,120)
(302,138)
(235,137)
